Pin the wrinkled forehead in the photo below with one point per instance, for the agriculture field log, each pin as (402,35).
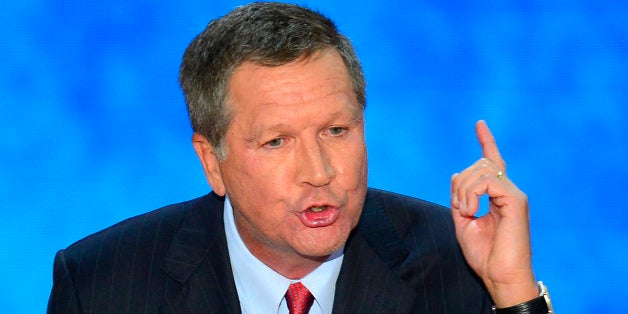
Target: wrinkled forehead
(314,70)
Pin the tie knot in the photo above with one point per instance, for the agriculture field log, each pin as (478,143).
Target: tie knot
(299,298)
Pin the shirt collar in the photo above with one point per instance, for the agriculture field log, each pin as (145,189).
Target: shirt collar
(261,289)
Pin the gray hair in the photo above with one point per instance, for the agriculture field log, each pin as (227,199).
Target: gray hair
(266,33)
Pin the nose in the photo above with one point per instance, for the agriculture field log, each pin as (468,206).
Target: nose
(313,165)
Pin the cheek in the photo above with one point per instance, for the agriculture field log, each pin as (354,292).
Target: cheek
(352,168)
(270,177)
(257,182)
(251,171)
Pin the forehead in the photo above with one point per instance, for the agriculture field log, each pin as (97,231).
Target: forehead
(320,79)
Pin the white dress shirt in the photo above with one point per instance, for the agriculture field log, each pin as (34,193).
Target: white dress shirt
(261,289)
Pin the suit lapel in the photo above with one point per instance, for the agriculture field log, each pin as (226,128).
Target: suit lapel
(198,261)
(370,280)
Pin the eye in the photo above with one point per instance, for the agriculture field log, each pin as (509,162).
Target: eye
(275,143)
(336,131)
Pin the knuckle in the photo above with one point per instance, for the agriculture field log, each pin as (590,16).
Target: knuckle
(483,163)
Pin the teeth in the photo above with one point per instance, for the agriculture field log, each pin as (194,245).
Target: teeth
(317,209)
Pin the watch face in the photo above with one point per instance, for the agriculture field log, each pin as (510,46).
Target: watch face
(545,294)
(548,302)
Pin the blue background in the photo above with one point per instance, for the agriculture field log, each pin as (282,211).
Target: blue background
(94,127)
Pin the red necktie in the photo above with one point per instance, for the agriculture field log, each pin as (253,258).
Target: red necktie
(299,299)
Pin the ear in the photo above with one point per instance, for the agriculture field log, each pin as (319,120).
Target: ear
(211,164)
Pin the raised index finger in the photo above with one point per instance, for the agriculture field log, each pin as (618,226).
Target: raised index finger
(489,146)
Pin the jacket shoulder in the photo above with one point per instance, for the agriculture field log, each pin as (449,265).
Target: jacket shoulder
(162,221)
(407,213)
(119,269)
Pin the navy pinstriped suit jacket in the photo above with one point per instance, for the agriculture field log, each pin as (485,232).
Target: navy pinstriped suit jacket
(401,258)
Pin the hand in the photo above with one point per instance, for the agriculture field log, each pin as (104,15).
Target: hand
(496,245)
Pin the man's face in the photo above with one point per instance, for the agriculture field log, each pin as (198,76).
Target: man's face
(296,167)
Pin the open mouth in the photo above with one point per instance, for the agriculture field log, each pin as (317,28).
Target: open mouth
(319,216)
(318,209)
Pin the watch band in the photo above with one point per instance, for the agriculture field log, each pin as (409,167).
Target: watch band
(534,306)
(540,305)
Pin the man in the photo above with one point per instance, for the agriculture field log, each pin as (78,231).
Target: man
(276,98)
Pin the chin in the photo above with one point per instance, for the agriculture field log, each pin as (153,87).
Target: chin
(319,254)
(319,248)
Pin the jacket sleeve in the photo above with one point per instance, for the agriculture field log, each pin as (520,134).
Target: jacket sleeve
(63,297)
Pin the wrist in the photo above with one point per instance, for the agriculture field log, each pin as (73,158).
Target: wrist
(541,304)
(506,295)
